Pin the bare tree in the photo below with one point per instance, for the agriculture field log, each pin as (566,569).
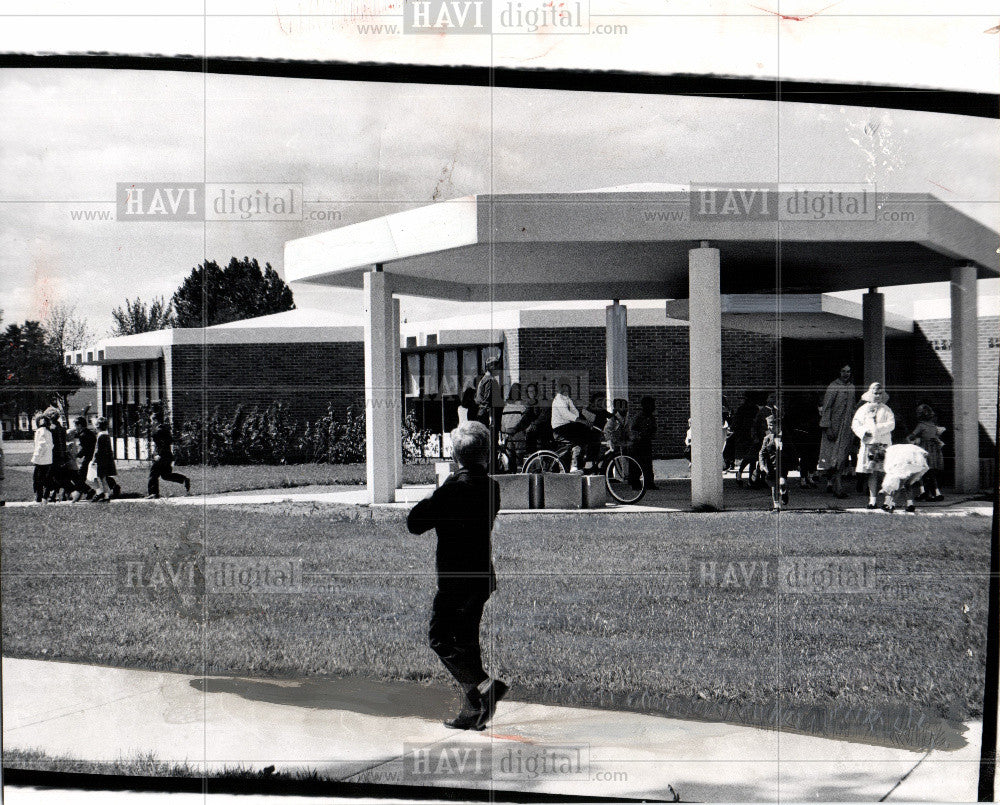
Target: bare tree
(66,331)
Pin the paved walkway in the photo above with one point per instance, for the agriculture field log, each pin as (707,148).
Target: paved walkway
(672,496)
(363,731)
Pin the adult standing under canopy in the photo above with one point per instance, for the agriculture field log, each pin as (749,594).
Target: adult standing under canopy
(835,422)
(489,402)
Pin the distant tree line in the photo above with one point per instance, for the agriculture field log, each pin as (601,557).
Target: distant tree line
(209,295)
(33,371)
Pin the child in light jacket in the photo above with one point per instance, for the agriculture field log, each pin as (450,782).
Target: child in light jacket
(42,459)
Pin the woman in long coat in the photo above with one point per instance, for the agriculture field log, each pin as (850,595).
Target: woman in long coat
(835,422)
(873,424)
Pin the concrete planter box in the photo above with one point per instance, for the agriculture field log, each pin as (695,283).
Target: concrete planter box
(442,469)
(515,491)
(563,491)
(595,492)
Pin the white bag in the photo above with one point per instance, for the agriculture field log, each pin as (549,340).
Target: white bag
(903,462)
(92,472)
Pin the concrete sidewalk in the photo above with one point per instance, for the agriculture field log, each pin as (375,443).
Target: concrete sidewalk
(364,731)
(669,499)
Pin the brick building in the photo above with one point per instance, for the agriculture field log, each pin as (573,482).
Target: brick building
(310,360)
(307,360)
(542,345)
(931,358)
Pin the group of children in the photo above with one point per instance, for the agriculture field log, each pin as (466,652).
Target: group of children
(911,467)
(65,462)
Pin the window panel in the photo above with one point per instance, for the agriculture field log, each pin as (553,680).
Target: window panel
(412,385)
(449,372)
(470,367)
(430,374)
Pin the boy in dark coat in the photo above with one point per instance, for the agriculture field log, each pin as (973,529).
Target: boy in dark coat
(163,459)
(88,445)
(463,510)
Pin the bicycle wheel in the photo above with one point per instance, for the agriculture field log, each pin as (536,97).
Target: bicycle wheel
(542,461)
(625,479)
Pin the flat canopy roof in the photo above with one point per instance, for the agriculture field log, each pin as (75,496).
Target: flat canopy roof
(629,244)
(802,316)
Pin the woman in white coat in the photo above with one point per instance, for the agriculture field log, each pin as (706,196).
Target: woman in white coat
(873,424)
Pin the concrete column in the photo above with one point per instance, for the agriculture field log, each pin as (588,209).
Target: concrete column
(873,327)
(965,377)
(397,387)
(705,325)
(99,388)
(616,342)
(381,421)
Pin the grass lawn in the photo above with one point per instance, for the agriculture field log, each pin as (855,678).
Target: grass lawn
(230,779)
(213,480)
(603,610)
(142,765)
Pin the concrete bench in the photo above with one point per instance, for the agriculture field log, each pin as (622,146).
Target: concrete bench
(551,490)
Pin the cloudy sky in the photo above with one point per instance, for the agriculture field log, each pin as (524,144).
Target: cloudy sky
(362,150)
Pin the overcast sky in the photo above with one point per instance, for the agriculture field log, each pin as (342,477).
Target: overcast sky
(367,149)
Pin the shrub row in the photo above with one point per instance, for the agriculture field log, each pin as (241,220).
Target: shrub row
(270,436)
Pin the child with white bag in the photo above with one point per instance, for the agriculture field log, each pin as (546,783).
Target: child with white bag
(905,465)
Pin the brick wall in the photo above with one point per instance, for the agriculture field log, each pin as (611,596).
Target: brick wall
(306,377)
(309,377)
(932,367)
(657,365)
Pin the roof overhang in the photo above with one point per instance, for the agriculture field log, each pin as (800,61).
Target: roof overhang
(150,346)
(797,316)
(634,245)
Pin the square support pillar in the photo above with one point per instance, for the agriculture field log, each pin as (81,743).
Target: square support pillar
(965,377)
(705,338)
(397,389)
(616,363)
(382,428)
(873,328)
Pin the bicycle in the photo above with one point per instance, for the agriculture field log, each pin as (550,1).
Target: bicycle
(623,475)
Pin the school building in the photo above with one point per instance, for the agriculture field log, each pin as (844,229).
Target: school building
(654,242)
(312,360)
